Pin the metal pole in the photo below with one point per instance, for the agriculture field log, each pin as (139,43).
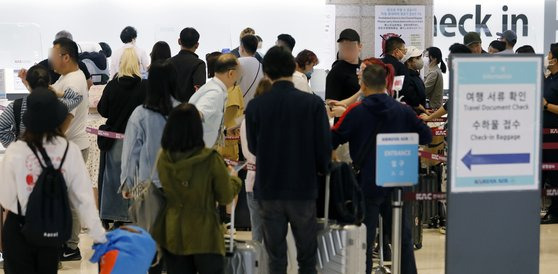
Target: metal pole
(396,231)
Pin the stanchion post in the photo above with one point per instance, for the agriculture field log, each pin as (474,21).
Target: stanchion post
(396,230)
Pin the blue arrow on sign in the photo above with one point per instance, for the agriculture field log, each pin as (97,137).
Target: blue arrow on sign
(494,159)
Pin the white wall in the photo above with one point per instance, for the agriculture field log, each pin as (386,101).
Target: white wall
(219,22)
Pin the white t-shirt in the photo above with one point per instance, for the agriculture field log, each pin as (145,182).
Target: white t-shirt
(115,59)
(251,74)
(20,170)
(301,82)
(76,82)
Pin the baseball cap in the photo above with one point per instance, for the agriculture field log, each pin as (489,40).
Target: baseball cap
(411,52)
(509,35)
(471,38)
(349,35)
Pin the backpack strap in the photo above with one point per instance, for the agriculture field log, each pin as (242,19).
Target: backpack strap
(17,116)
(34,150)
(48,162)
(18,207)
(255,78)
(65,154)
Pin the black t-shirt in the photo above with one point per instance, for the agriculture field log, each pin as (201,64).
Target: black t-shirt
(342,81)
(54,76)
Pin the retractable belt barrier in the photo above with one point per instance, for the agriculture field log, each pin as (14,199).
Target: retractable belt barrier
(441,196)
(249,167)
(438,132)
(422,154)
(102,133)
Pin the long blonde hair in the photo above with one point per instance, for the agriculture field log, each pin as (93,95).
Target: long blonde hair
(129,64)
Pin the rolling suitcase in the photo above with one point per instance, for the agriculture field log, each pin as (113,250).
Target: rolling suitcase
(244,257)
(429,182)
(417,211)
(341,249)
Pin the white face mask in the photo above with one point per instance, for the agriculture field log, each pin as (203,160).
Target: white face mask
(548,63)
(419,64)
(426,61)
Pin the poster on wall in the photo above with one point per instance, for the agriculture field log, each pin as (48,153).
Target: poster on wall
(406,22)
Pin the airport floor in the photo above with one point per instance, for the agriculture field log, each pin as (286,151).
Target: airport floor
(430,259)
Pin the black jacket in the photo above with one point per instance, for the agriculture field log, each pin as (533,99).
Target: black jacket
(120,97)
(415,94)
(191,74)
(360,122)
(342,81)
(550,120)
(288,132)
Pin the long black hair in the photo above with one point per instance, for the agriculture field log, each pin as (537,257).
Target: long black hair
(161,51)
(160,87)
(183,131)
(436,53)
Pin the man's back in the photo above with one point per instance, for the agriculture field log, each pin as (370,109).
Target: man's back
(191,74)
(288,131)
(252,73)
(140,53)
(377,113)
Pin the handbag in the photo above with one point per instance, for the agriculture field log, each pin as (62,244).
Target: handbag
(148,201)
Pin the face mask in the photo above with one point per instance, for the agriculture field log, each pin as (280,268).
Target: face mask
(419,64)
(309,74)
(426,61)
(548,63)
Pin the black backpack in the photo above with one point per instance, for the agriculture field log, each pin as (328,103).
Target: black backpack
(346,195)
(48,219)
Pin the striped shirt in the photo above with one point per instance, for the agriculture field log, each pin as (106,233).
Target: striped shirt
(8,130)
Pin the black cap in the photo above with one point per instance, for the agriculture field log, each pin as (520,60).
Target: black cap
(349,35)
(44,111)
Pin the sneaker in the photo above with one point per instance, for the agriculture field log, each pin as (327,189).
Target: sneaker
(69,254)
(1,261)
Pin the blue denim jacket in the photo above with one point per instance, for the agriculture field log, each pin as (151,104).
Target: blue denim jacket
(142,142)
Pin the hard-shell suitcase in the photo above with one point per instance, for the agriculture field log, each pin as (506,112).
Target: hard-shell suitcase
(417,211)
(341,249)
(244,257)
(431,211)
